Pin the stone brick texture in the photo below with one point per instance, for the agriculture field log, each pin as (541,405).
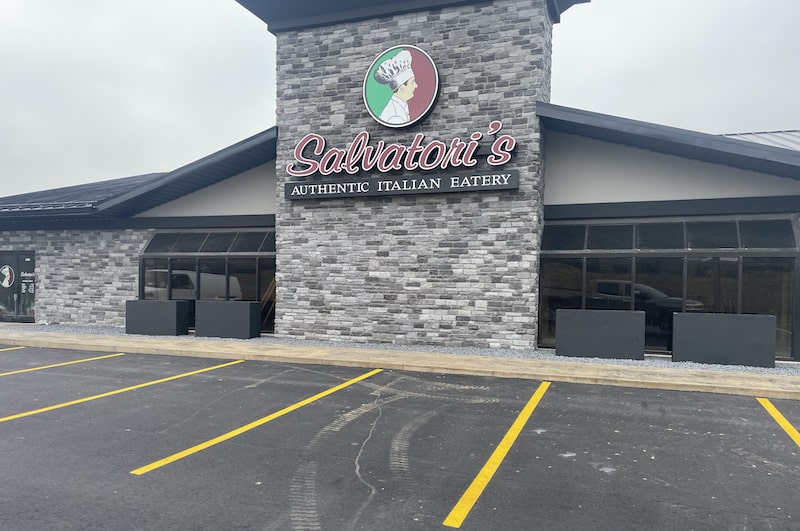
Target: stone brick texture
(457,269)
(82,277)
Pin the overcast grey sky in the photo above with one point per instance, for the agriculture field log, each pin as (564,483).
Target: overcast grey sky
(100,89)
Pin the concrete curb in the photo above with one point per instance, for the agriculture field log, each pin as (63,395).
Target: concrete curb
(676,379)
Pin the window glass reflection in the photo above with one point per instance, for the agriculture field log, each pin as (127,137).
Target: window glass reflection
(189,242)
(712,235)
(608,284)
(243,281)
(212,279)
(248,242)
(156,278)
(218,242)
(714,283)
(610,237)
(660,236)
(767,289)
(766,234)
(659,294)
(563,237)
(162,242)
(560,286)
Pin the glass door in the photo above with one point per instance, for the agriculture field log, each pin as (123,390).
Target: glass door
(17,286)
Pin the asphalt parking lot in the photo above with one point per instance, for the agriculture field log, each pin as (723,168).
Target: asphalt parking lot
(130,441)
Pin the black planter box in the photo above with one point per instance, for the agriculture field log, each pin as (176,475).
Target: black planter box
(237,319)
(727,339)
(615,334)
(157,317)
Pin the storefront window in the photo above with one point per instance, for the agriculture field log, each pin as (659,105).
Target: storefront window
(712,235)
(184,279)
(608,284)
(659,294)
(212,265)
(563,237)
(610,237)
(156,278)
(218,242)
(189,242)
(248,242)
(212,279)
(162,242)
(660,236)
(725,266)
(766,234)
(561,286)
(266,293)
(243,279)
(714,283)
(767,289)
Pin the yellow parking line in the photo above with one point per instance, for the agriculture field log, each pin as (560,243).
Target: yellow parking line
(474,491)
(10,348)
(61,364)
(112,393)
(231,434)
(790,430)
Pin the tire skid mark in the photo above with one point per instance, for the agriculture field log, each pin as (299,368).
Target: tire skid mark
(349,416)
(399,450)
(443,396)
(303,511)
(303,498)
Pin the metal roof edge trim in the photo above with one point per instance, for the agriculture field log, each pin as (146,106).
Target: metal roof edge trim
(362,13)
(266,221)
(280,24)
(671,140)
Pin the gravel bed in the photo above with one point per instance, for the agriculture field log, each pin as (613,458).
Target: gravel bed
(787,368)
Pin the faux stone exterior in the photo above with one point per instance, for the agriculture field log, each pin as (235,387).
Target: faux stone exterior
(82,277)
(448,269)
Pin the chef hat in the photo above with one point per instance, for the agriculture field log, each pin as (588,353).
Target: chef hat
(395,71)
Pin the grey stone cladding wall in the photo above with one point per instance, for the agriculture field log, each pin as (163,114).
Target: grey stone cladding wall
(456,269)
(82,277)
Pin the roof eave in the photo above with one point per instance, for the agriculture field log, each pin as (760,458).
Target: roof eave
(672,141)
(207,171)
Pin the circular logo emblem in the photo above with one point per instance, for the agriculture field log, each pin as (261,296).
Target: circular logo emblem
(401,86)
(7,276)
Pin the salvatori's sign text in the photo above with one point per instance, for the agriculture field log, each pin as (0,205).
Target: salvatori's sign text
(313,156)
(380,186)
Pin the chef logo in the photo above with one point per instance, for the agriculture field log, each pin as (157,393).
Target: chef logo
(6,276)
(401,86)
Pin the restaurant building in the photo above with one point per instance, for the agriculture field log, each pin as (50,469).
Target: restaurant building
(419,189)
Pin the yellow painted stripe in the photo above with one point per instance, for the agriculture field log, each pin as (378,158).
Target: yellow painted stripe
(790,430)
(10,348)
(474,491)
(112,393)
(231,434)
(61,364)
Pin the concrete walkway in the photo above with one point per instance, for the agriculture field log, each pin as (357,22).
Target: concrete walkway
(678,378)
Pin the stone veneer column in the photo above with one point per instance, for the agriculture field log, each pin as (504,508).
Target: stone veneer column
(456,269)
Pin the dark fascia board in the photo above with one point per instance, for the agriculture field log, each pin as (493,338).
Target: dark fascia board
(557,7)
(293,16)
(679,208)
(101,223)
(186,179)
(671,141)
